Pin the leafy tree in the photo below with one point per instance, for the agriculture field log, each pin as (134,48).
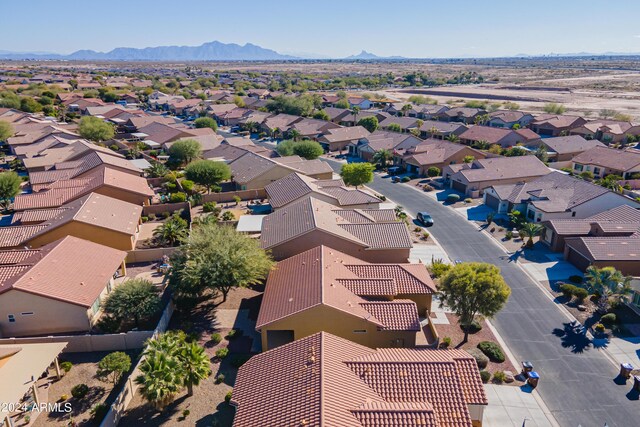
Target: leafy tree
(514,152)
(294,134)
(217,258)
(208,172)
(9,187)
(609,283)
(516,218)
(321,115)
(194,363)
(382,158)
(369,123)
(174,230)
(343,103)
(357,173)
(285,148)
(6,131)
(157,170)
(308,149)
(295,105)
(433,171)
(468,159)
(612,182)
(184,151)
(530,230)
(30,105)
(541,153)
(113,365)
(95,129)
(206,122)
(135,297)
(394,127)
(473,288)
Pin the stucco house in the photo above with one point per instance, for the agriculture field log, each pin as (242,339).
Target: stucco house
(495,135)
(57,288)
(434,153)
(607,131)
(373,235)
(366,147)
(565,148)
(603,161)
(377,305)
(508,119)
(337,139)
(555,124)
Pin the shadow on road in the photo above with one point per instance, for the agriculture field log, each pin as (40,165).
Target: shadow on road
(574,336)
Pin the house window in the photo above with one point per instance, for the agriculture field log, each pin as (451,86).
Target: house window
(530,214)
(27,313)
(573,213)
(577,167)
(596,171)
(12,318)
(96,305)
(359,331)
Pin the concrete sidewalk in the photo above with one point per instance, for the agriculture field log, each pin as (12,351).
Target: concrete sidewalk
(511,406)
(625,350)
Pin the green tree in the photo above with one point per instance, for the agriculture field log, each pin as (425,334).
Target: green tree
(433,171)
(30,105)
(135,297)
(473,288)
(174,230)
(157,170)
(321,115)
(294,134)
(541,153)
(217,258)
(609,283)
(530,230)
(343,103)
(95,129)
(208,172)
(9,187)
(468,159)
(161,378)
(553,108)
(184,151)
(206,122)
(285,148)
(612,182)
(308,149)
(357,173)
(394,127)
(382,158)
(453,137)
(369,123)
(113,365)
(194,364)
(6,131)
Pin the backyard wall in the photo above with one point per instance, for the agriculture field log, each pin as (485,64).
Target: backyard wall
(227,196)
(89,343)
(148,255)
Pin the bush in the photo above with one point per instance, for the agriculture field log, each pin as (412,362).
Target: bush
(417,229)
(152,217)
(575,279)
(187,184)
(79,391)
(485,376)
(599,327)
(165,215)
(425,235)
(64,397)
(499,377)
(427,188)
(114,147)
(228,216)
(508,235)
(433,171)
(215,339)
(481,359)
(438,268)
(144,218)
(468,200)
(221,353)
(405,179)
(171,187)
(186,413)
(446,342)
(452,198)
(99,411)
(234,333)
(178,197)
(492,351)
(66,366)
(227,397)
(208,207)
(580,293)
(567,290)
(220,378)
(609,319)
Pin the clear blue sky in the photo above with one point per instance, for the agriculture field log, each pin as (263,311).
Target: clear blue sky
(335,28)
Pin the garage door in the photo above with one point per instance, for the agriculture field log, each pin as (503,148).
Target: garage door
(459,186)
(492,201)
(580,262)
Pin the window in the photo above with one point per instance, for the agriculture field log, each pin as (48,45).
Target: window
(96,305)
(359,331)
(596,171)
(530,214)
(27,313)
(12,318)
(577,167)
(573,213)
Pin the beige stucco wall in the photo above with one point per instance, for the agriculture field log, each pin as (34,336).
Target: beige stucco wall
(268,177)
(334,202)
(324,318)
(318,237)
(49,316)
(89,232)
(123,194)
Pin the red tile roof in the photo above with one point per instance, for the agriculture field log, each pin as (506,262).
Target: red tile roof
(323,380)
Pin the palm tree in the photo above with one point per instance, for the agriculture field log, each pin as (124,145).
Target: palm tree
(530,230)
(453,138)
(194,364)
(157,170)
(172,231)
(294,134)
(609,283)
(433,131)
(382,157)
(611,182)
(355,111)
(161,379)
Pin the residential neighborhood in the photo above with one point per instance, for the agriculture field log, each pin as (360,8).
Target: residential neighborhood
(230,235)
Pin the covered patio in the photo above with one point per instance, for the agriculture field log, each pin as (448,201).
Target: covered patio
(21,366)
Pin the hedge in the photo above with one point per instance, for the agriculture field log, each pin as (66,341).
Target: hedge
(492,351)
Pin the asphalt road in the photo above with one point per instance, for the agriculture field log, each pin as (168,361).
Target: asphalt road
(576,378)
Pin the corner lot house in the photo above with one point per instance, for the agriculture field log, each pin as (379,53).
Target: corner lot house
(324,377)
(602,161)
(57,288)
(472,179)
(371,235)
(554,196)
(325,290)
(295,186)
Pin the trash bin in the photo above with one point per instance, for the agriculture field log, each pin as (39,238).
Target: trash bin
(533,378)
(526,368)
(625,370)
(636,383)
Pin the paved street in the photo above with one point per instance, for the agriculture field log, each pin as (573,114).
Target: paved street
(576,378)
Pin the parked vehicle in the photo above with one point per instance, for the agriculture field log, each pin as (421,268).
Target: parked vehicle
(425,219)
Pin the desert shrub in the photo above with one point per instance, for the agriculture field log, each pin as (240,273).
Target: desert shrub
(575,279)
(580,293)
(215,338)
(481,359)
(165,215)
(438,268)
(178,197)
(446,342)
(405,179)
(425,235)
(227,397)
(452,198)
(186,413)
(485,376)
(468,200)
(221,353)
(567,290)
(66,366)
(427,188)
(220,378)
(144,218)
(499,377)
(64,397)
(99,411)
(608,319)
(492,351)
(417,229)
(187,184)
(599,327)
(228,216)
(79,391)
(508,235)
(208,207)
(234,333)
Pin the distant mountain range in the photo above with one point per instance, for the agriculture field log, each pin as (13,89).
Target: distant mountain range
(213,51)
(368,55)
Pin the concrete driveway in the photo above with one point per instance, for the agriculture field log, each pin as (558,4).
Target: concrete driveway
(550,271)
(510,406)
(424,253)
(475,213)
